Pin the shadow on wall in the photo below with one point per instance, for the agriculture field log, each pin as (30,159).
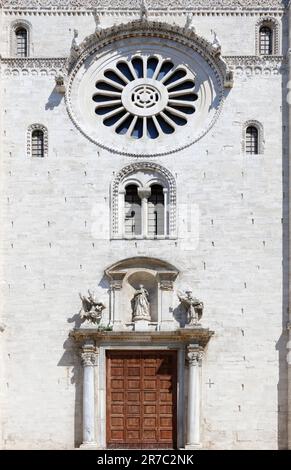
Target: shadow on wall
(54,100)
(71,359)
(180,315)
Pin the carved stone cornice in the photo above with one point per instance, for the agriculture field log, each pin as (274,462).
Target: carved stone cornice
(250,65)
(194,355)
(33,66)
(153,5)
(198,335)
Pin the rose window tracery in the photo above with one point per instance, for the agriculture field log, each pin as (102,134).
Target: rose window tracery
(145,97)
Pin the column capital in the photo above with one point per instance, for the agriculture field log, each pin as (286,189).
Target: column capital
(116,279)
(166,285)
(166,279)
(144,192)
(116,284)
(194,355)
(89,354)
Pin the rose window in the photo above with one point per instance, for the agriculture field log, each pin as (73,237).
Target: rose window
(145,97)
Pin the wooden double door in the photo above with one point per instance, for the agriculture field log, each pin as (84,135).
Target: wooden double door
(141,399)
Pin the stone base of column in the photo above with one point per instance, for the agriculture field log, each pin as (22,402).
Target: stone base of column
(193,446)
(89,446)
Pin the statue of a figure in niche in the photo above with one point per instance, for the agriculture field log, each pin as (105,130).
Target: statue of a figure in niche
(193,307)
(91,308)
(141,305)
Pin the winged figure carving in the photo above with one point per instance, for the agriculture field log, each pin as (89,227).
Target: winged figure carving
(193,306)
(91,308)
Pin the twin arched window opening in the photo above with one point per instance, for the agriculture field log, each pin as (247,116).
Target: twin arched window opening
(145,211)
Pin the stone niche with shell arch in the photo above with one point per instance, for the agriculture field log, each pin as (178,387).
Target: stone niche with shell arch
(157,277)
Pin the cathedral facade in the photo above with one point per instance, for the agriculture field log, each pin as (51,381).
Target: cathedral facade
(144,224)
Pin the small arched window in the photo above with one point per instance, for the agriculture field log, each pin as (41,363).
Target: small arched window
(156,211)
(252,140)
(266,40)
(37,143)
(132,222)
(21,42)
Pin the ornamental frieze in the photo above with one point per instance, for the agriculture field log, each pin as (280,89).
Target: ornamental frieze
(254,65)
(135,4)
(33,66)
(240,65)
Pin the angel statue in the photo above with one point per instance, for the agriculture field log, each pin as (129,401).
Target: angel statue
(193,306)
(141,305)
(91,308)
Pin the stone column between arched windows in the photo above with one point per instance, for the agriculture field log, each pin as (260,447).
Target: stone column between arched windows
(144,194)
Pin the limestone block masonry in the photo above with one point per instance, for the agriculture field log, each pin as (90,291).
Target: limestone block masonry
(171,199)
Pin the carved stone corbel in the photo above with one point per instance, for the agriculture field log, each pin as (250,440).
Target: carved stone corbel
(60,84)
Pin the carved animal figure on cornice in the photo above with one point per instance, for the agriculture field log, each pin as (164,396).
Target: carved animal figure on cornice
(216,43)
(144,11)
(75,42)
(189,24)
(98,27)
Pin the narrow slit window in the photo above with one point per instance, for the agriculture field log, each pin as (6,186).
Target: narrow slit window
(21,42)
(37,144)
(252,140)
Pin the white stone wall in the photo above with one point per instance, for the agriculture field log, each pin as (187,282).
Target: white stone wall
(53,247)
